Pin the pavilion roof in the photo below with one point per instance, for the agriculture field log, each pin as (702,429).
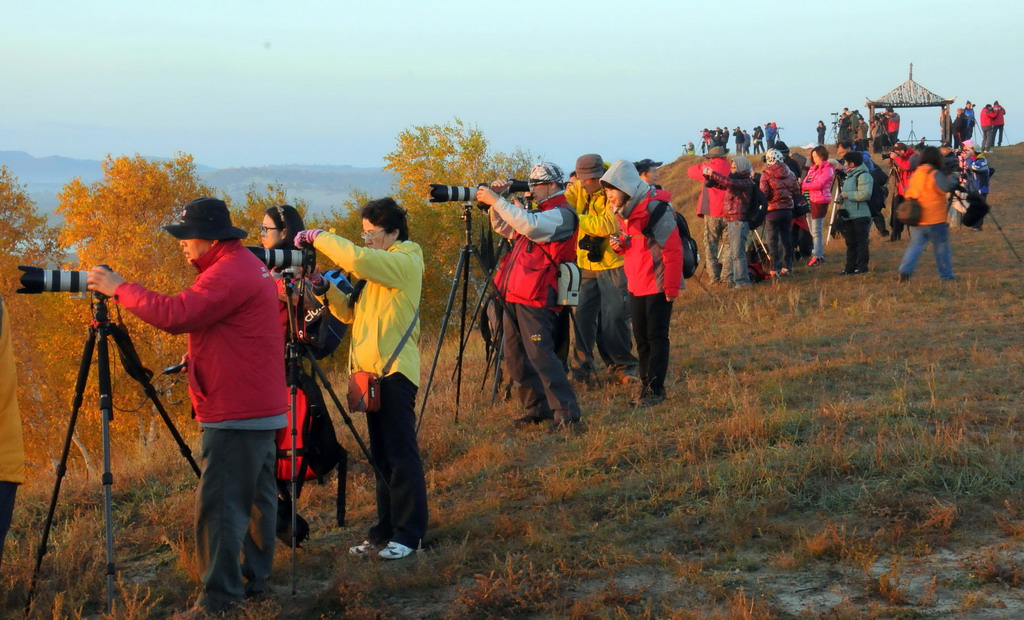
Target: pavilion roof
(910,94)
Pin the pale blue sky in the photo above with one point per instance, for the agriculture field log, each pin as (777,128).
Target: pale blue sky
(316,82)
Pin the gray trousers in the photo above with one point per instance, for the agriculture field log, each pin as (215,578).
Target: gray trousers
(602,316)
(530,359)
(236,514)
(714,231)
(738,232)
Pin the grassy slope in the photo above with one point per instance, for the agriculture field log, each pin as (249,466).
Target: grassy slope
(831,445)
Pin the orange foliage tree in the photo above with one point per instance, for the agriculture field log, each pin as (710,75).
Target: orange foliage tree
(117,221)
(27,239)
(450,154)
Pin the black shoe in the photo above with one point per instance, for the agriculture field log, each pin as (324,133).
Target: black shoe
(566,426)
(646,400)
(845,272)
(527,421)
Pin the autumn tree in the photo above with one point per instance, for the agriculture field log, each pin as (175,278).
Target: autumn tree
(27,239)
(117,221)
(449,154)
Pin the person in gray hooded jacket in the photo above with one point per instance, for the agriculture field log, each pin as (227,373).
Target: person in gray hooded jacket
(653,254)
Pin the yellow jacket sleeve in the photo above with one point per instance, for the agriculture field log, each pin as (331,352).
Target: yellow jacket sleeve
(386,306)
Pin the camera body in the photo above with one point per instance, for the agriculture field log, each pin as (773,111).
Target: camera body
(594,246)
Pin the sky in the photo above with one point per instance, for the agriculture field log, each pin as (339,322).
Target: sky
(266,82)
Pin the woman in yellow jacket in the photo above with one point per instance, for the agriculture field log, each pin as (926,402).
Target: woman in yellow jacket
(12,451)
(928,185)
(387,306)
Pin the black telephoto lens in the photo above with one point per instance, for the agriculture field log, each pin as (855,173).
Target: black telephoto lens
(518,186)
(451,193)
(36,280)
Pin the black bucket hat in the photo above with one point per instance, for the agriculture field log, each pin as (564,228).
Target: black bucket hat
(205,218)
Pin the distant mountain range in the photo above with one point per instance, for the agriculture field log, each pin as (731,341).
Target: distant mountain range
(322,187)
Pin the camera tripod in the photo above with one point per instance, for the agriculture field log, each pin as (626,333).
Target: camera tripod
(297,352)
(97,341)
(461,279)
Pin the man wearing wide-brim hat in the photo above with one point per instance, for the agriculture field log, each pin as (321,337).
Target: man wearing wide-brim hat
(709,207)
(237,387)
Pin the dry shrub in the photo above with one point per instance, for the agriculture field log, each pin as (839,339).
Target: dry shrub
(510,591)
(997,567)
(184,548)
(135,603)
(890,585)
(938,524)
(1011,522)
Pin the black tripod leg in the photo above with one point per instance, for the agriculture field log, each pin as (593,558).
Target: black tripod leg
(106,414)
(459,268)
(293,391)
(463,335)
(76,405)
(1005,238)
(133,367)
(324,381)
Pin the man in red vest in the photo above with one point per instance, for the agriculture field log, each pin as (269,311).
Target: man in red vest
(527,280)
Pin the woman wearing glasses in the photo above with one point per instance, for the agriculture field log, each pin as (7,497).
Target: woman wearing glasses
(385,328)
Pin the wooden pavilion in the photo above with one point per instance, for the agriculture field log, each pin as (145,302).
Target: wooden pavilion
(910,94)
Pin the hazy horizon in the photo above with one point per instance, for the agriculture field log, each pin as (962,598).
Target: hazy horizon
(246,84)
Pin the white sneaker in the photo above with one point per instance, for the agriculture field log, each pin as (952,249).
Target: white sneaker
(395,551)
(363,549)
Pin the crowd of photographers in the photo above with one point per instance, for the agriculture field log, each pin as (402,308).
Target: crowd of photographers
(613,222)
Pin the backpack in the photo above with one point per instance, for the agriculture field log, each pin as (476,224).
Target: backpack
(879,190)
(317,452)
(691,257)
(757,209)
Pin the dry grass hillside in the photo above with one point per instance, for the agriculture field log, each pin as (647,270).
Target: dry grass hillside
(831,447)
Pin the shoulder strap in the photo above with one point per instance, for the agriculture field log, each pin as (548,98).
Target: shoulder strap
(401,343)
(660,206)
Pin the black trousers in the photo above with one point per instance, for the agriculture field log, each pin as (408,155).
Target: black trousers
(402,509)
(856,235)
(8,490)
(896,225)
(651,315)
(533,364)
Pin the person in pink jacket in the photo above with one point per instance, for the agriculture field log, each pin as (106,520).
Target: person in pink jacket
(237,387)
(817,184)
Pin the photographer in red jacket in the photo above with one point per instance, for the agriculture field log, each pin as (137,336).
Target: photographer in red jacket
(237,387)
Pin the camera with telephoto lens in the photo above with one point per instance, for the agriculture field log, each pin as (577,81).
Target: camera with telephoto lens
(454,193)
(37,280)
(283,259)
(887,155)
(594,246)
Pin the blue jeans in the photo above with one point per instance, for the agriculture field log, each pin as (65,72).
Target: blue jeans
(938,234)
(815,224)
(738,252)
